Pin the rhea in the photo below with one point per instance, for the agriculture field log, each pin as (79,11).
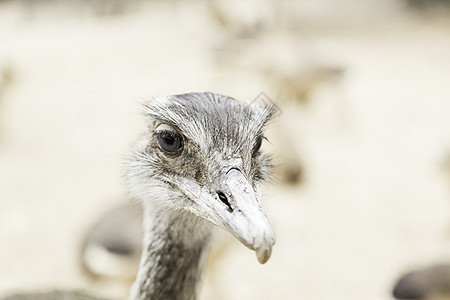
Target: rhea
(198,165)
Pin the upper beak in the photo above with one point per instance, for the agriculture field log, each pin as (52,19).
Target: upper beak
(235,207)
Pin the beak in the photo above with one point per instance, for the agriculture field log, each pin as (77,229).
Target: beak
(236,208)
(245,217)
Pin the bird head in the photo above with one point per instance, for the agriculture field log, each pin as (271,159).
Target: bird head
(202,155)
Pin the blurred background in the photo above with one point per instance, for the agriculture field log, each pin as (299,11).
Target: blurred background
(361,193)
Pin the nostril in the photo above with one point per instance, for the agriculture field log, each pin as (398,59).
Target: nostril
(224,200)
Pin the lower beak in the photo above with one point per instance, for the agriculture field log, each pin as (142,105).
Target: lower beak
(244,216)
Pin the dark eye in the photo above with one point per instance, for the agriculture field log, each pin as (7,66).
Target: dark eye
(169,141)
(257,145)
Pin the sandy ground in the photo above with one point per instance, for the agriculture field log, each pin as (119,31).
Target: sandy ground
(375,198)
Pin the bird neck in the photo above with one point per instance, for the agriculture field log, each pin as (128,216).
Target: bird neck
(174,253)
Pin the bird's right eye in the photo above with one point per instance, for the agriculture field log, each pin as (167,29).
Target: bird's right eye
(169,141)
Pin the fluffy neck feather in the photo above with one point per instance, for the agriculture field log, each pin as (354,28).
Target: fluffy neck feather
(173,257)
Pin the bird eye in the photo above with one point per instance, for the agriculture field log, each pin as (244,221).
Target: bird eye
(257,145)
(169,141)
